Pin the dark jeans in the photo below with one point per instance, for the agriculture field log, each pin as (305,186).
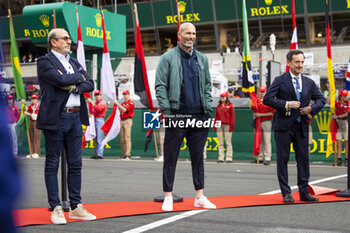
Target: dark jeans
(300,143)
(68,135)
(196,139)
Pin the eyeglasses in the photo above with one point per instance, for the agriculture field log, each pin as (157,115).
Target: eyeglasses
(65,38)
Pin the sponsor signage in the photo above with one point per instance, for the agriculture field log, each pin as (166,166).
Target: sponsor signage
(39,21)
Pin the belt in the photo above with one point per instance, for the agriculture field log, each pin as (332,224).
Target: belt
(71,110)
(265,120)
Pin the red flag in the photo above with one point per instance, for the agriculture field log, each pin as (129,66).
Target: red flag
(294,41)
(112,125)
(257,134)
(141,84)
(54,19)
(178,20)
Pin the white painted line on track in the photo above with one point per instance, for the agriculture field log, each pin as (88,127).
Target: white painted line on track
(312,182)
(193,212)
(164,221)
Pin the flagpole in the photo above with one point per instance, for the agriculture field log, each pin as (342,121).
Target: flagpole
(22,103)
(54,19)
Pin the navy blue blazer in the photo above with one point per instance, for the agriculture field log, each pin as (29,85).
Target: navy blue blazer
(282,90)
(53,98)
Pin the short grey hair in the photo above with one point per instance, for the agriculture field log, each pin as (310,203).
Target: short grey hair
(52,35)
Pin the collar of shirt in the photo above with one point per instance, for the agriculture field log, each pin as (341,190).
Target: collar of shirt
(65,61)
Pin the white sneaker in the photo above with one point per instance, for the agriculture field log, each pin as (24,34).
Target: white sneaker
(29,156)
(35,156)
(126,158)
(160,159)
(203,202)
(167,204)
(57,216)
(81,213)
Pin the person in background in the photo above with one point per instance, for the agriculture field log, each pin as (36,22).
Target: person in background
(342,107)
(266,114)
(126,115)
(24,59)
(30,58)
(225,112)
(34,133)
(12,117)
(99,111)
(13,93)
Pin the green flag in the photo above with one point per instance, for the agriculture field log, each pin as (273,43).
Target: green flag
(247,74)
(22,124)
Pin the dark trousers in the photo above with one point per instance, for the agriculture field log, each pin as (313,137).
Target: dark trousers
(68,135)
(300,143)
(196,139)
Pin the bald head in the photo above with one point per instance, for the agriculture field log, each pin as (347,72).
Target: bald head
(59,41)
(187,35)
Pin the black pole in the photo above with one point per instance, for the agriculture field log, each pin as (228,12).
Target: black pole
(346,192)
(64,201)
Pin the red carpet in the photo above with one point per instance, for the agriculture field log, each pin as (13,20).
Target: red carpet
(39,216)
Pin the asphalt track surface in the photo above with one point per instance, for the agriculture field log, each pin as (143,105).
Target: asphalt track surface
(114,180)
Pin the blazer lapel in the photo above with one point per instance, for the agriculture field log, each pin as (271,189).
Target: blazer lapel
(58,64)
(289,83)
(303,80)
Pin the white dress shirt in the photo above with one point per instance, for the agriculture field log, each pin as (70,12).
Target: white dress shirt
(299,79)
(74,99)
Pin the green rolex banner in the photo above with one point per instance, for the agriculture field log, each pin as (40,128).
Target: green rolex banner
(247,74)
(22,124)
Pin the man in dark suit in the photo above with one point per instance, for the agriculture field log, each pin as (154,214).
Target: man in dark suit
(290,95)
(63,109)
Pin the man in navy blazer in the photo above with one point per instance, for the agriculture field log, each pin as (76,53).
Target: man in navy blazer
(290,95)
(62,111)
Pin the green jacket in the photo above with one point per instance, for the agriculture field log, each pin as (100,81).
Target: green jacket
(169,80)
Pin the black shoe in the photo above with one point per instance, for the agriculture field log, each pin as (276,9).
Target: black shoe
(339,162)
(308,197)
(220,161)
(99,157)
(288,198)
(93,157)
(346,162)
(229,161)
(267,162)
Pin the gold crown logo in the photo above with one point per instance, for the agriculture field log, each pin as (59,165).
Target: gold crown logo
(98,19)
(323,120)
(268,2)
(182,7)
(45,19)
(348,3)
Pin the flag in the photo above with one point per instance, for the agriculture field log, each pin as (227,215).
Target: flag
(247,74)
(257,133)
(141,85)
(178,20)
(22,124)
(111,127)
(90,131)
(347,83)
(54,19)
(331,131)
(294,41)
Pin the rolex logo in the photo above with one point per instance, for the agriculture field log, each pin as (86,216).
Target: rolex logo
(182,7)
(268,2)
(45,19)
(98,19)
(323,120)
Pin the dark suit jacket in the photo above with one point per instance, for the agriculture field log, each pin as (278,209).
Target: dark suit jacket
(53,98)
(282,90)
